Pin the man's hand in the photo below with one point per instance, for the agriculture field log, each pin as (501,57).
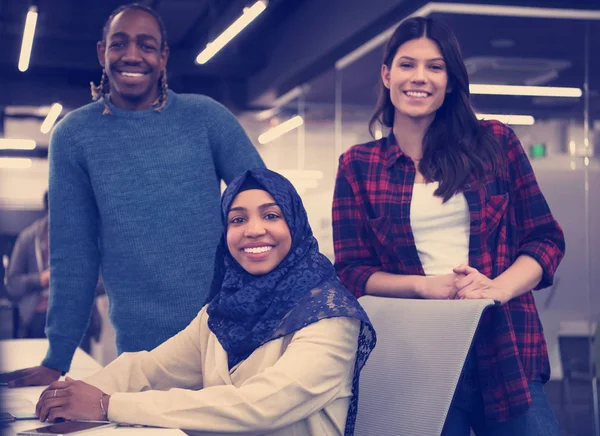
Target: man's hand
(36,376)
(70,399)
(45,278)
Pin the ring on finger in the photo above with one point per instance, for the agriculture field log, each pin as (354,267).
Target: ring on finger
(55,391)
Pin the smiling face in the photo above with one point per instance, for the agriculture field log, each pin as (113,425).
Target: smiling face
(133,56)
(417,79)
(258,236)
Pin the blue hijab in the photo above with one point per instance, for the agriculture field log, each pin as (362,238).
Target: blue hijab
(247,311)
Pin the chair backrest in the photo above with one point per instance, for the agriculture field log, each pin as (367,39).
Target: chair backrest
(407,384)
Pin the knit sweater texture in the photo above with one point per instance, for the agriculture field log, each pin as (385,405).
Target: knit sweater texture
(137,194)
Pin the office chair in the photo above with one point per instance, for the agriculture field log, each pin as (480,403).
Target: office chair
(407,384)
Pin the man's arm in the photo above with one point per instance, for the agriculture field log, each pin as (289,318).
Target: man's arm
(233,153)
(74,260)
(74,257)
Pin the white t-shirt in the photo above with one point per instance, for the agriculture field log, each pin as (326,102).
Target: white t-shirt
(440,230)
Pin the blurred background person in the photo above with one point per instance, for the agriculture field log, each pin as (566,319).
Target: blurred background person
(28,282)
(28,276)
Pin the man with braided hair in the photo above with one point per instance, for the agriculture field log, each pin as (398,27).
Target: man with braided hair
(135,190)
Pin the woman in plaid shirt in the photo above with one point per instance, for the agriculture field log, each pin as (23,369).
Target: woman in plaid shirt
(448,207)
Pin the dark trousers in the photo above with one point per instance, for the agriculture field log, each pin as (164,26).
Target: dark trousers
(467,411)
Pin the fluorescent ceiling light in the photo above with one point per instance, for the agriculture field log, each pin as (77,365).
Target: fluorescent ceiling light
(281,101)
(516,120)
(267,113)
(533,91)
(17,144)
(27,43)
(40,111)
(249,14)
(281,129)
(469,9)
(302,179)
(15,163)
(293,174)
(303,184)
(513,11)
(51,118)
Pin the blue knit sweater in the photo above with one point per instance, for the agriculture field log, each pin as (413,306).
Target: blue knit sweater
(137,193)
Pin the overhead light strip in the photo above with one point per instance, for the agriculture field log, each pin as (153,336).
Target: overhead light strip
(281,101)
(51,118)
(17,144)
(249,14)
(377,41)
(529,91)
(515,120)
(514,11)
(27,43)
(294,174)
(15,163)
(281,129)
(267,113)
(469,9)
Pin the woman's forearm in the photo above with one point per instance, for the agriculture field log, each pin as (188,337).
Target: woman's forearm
(385,284)
(521,277)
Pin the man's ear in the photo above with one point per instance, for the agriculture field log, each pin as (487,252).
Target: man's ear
(385,76)
(101,50)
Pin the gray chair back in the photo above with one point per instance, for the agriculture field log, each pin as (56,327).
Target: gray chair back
(407,384)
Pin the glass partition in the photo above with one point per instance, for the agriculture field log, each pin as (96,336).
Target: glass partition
(305,154)
(559,135)
(320,159)
(592,180)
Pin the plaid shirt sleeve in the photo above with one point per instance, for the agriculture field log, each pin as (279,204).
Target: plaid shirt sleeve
(538,234)
(355,260)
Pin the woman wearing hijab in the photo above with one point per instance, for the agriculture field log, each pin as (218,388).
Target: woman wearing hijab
(278,350)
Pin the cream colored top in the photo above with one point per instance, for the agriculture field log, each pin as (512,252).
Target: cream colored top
(441,230)
(300,384)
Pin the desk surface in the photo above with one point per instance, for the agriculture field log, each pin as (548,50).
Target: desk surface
(23,353)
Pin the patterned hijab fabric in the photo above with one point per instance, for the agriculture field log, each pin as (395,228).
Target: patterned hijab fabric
(247,311)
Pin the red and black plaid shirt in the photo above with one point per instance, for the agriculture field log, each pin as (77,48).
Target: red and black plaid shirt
(509,217)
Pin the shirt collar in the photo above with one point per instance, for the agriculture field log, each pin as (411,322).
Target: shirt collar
(392,152)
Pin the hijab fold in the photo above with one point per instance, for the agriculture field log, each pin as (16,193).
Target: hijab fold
(247,311)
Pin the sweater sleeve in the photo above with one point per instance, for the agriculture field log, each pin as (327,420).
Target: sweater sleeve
(233,153)
(315,368)
(176,363)
(22,278)
(74,258)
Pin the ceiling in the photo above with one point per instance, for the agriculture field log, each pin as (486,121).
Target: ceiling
(497,50)
(296,42)
(64,61)
(287,43)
